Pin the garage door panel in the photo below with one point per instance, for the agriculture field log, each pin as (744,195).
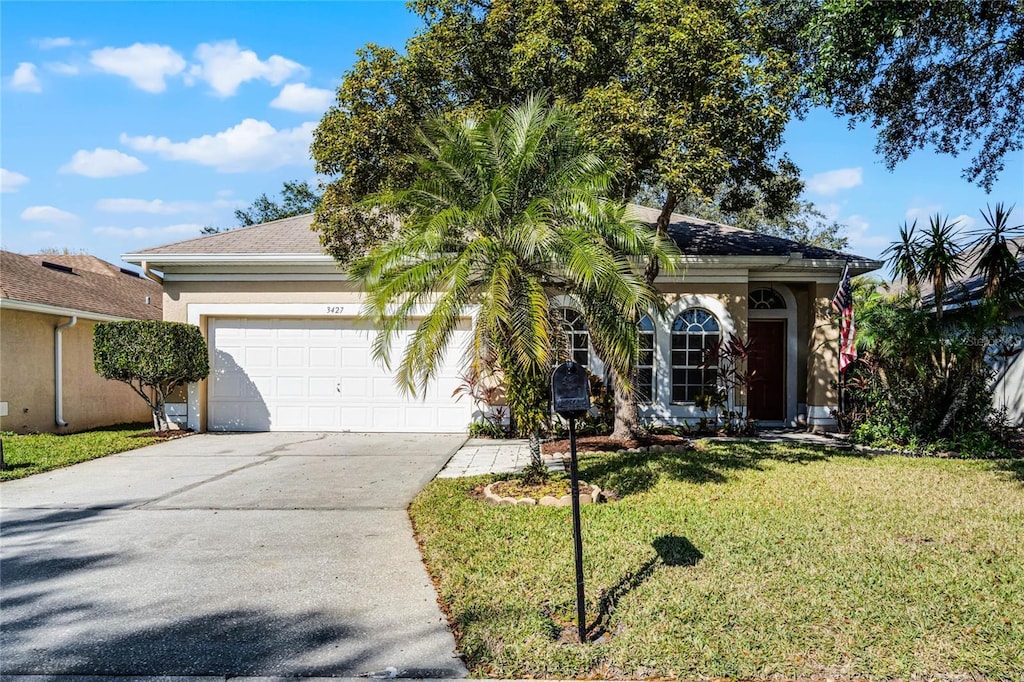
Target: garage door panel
(354,387)
(323,388)
(318,374)
(321,357)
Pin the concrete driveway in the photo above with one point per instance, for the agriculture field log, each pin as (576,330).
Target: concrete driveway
(262,554)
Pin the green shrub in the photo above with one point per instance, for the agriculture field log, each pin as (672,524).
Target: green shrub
(486,429)
(153,357)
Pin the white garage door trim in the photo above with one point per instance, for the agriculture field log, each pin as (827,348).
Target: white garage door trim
(315,387)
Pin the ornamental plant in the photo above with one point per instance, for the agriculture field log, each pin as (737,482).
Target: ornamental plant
(152,357)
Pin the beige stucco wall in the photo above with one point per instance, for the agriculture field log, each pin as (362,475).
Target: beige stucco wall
(816,331)
(26,378)
(178,295)
(823,348)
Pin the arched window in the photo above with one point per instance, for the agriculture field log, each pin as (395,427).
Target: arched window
(765,299)
(645,365)
(693,332)
(576,337)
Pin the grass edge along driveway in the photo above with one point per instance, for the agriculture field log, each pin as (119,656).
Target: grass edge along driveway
(746,560)
(29,454)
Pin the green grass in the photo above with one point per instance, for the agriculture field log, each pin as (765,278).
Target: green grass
(36,453)
(745,560)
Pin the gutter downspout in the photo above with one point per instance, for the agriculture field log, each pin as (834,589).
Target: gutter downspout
(58,367)
(150,274)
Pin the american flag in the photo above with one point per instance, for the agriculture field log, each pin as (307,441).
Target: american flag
(843,302)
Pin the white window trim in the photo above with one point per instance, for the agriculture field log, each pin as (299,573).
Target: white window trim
(597,366)
(789,315)
(662,411)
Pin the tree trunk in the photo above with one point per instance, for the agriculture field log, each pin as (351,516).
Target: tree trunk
(535,457)
(661,228)
(627,417)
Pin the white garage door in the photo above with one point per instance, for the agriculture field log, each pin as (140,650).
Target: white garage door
(318,375)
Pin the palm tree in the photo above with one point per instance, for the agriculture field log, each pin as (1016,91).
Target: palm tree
(504,213)
(998,261)
(903,257)
(939,258)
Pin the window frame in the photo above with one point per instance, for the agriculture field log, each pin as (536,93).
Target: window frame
(707,337)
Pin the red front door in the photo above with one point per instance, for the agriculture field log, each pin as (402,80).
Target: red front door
(767,399)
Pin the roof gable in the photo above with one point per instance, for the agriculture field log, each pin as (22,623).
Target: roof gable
(79,282)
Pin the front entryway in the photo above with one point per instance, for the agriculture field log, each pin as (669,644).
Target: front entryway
(767,398)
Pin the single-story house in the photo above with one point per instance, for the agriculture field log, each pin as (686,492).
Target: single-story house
(49,305)
(290,352)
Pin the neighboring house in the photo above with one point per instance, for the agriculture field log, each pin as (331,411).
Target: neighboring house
(290,352)
(1004,354)
(49,305)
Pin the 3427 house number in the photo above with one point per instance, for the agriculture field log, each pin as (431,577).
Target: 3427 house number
(335,309)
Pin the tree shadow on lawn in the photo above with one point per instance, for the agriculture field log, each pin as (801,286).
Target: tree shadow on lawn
(634,472)
(1014,467)
(673,550)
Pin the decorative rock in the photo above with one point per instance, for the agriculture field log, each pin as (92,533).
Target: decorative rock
(584,500)
(595,494)
(525,501)
(508,500)
(565,500)
(549,501)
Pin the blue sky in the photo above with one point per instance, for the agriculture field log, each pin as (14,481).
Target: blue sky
(125,125)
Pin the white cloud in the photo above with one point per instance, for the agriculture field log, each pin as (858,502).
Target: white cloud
(922,213)
(103,163)
(49,214)
(830,182)
(25,79)
(963,222)
(62,68)
(161,207)
(50,43)
(11,181)
(862,242)
(225,66)
(250,145)
(144,64)
(302,98)
(187,229)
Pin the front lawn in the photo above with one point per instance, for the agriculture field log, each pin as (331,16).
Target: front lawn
(35,453)
(743,560)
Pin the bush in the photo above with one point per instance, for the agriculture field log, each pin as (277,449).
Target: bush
(486,429)
(153,357)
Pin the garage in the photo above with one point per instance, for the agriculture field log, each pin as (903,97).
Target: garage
(309,374)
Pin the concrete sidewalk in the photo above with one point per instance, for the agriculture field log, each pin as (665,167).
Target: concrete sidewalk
(479,456)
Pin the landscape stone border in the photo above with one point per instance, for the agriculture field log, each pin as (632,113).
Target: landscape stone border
(546,501)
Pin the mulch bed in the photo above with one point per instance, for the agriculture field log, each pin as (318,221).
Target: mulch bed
(607,444)
(167,434)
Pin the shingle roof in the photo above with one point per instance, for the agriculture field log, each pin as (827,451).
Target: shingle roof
(693,235)
(968,287)
(286,236)
(92,285)
(705,238)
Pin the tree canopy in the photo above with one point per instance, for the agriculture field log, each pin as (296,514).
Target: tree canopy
(297,198)
(690,96)
(941,74)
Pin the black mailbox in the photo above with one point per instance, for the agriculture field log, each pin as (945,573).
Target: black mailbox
(570,390)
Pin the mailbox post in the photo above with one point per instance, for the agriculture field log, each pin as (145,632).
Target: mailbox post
(570,398)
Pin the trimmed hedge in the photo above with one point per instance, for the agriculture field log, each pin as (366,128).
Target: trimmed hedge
(149,354)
